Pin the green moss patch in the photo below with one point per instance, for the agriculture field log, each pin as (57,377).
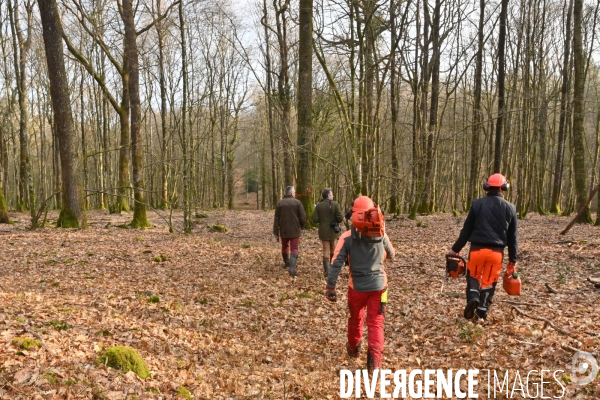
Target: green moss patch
(183,392)
(161,258)
(125,359)
(152,299)
(26,343)
(59,325)
(217,228)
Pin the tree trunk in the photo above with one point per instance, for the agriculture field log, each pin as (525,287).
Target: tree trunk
(394,201)
(477,114)
(72,214)
(578,114)
(284,90)
(426,206)
(187,218)
(501,62)
(304,189)
(140,219)
(164,187)
(564,94)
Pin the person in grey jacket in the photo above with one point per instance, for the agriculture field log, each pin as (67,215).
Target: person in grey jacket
(290,218)
(367,284)
(328,214)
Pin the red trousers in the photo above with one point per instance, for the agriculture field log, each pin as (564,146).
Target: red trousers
(290,245)
(358,303)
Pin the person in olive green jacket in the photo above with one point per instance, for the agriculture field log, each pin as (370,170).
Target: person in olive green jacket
(328,214)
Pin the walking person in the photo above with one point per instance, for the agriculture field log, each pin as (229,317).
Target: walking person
(290,218)
(491,225)
(328,214)
(364,248)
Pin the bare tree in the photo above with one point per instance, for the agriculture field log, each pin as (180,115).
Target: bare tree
(72,214)
(579,114)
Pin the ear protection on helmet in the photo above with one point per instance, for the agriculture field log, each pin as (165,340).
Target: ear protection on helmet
(496,181)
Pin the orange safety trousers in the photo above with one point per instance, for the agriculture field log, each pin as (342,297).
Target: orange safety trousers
(485,265)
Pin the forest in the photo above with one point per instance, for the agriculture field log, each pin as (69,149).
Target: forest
(162,133)
(414,103)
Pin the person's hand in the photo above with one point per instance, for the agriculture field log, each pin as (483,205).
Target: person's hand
(275,236)
(453,253)
(513,265)
(330,294)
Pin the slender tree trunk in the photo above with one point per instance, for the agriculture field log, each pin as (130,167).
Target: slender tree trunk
(597,223)
(477,113)
(187,218)
(72,214)
(140,220)
(394,201)
(163,114)
(564,95)
(268,95)
(501,62)
(579,114)
(4,219)
(426,206)
(284,90)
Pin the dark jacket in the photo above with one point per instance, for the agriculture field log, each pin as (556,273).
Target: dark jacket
(491,223)
(290,218)
(365,258)
(324,214)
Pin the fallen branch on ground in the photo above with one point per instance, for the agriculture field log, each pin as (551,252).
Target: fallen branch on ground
(581,210)
(546,321)
(576,350)
(519,303)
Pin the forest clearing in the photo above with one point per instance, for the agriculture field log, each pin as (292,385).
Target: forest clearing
(214,312)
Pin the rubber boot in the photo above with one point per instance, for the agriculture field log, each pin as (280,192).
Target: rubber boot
(325,267)
(286,261)
(371,365)
(486,301)
(356,352)
(293,261)
(472,297)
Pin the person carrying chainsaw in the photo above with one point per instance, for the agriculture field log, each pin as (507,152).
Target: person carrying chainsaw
(364,247)
(491,225)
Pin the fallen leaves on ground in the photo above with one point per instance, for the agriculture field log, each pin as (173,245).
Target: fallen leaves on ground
(215,313)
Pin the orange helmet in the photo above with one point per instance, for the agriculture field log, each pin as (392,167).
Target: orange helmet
(496,181)
(362,203)
(367,219)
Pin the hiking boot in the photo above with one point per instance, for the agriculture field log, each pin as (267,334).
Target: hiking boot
(286,261)
(293,261)
(355,353)
(470,308)
(325,268)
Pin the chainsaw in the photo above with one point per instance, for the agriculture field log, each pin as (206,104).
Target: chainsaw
(456,266)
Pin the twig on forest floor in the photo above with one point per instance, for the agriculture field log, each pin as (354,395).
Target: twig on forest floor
(533,344)
(520,303)
(550,289)
(576,350)
(38,337)
(546,321)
